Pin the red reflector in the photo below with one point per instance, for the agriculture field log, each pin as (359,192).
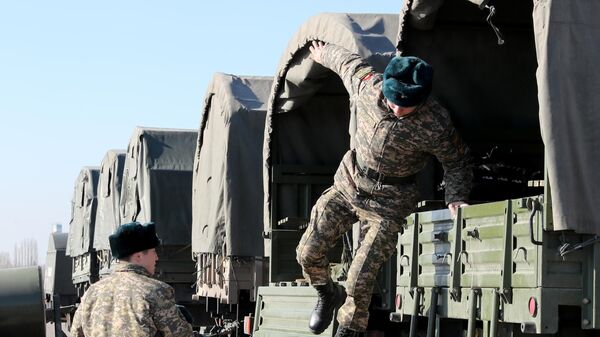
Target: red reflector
(248,323)
(398,301)
(533,306)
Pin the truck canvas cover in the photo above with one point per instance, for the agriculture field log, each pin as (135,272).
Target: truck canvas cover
(308,109)
(108,216)
(83,212)
(543,83)
(157,182)
(227,178)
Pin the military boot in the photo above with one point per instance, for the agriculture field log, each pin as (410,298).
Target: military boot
(345,332)
(331,297)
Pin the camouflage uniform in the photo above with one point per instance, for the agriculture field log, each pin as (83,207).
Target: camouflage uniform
(395,147)
(129,303)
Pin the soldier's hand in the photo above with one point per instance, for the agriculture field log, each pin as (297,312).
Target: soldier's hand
(453,206)
(316,51)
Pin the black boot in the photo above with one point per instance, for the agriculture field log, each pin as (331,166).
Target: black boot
(331,297)
(345,332)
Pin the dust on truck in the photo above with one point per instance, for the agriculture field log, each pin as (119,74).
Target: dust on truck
(520,80)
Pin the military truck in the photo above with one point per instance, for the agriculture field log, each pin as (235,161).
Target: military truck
(310,124)
(227,241)
(81,229)
(60,293)
(157,187)
(519,80)
(523,258)
(108,215)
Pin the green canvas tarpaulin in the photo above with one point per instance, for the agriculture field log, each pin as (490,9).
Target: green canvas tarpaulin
(108,215)
(310,118)
(157,182)
(541,85)
(83,212)
(227,178)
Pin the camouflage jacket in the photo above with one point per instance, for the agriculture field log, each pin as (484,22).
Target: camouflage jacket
(399,146)
(129,303)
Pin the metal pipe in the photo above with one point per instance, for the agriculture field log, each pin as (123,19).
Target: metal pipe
(472,312)
(495,313)
(415,312)
(432,312)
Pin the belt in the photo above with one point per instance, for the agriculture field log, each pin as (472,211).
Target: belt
(382,178)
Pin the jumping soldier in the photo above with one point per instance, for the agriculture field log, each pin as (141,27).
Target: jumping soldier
(398,128)
(130,302)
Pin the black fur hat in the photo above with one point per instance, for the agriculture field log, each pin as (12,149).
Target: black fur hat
(132,238)
(407,81)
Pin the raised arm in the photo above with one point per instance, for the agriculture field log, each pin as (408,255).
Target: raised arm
(351,68)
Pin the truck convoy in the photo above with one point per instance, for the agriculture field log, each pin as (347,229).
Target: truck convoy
(522,260)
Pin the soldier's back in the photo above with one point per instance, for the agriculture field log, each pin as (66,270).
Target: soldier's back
(122,304)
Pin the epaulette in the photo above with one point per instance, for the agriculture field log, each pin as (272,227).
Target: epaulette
(364,73)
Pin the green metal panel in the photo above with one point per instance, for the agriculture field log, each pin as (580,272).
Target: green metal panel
(85,268)
(406,252)
(285,311)
(590,311)
(434,248)
(497,251)
(492,251)
(561,271)
(283,265)
(545,320)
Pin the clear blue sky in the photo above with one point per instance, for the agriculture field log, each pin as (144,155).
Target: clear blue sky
(77,76)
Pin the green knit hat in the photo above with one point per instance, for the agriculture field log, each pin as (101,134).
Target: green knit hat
(407,81)
(132,238)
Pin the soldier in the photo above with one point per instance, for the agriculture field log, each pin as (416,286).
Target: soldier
(130,302)
(398,127)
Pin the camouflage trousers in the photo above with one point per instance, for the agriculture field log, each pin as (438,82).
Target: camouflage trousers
(381,215)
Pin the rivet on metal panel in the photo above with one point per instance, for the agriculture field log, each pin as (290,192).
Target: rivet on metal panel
(586,322)
(586,301)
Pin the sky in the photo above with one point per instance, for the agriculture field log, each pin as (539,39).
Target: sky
(76,77)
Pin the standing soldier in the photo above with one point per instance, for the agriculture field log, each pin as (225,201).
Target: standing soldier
(398,127)
(130,302)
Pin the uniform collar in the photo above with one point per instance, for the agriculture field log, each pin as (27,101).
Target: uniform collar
(388,110)
(131,267)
